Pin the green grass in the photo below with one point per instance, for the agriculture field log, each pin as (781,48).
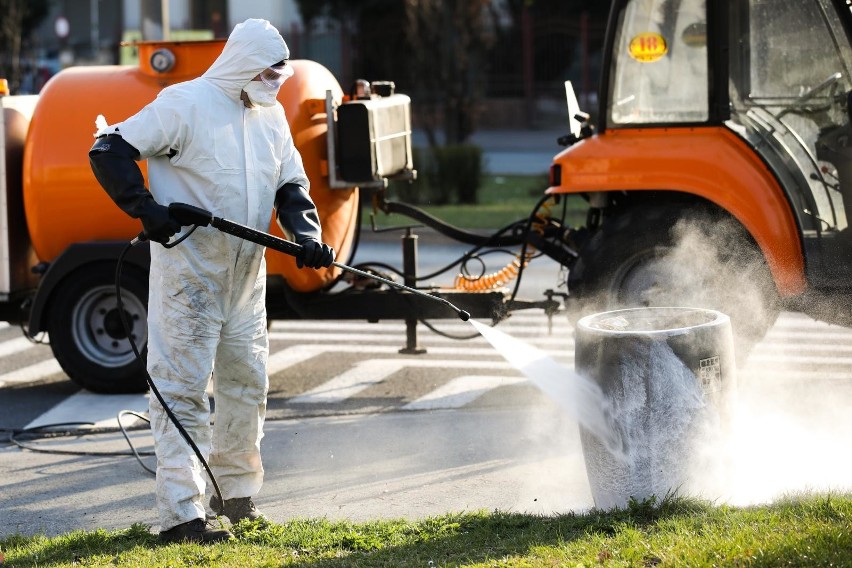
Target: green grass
(502,200)
(814,530)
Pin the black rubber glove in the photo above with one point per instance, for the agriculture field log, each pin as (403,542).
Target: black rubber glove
(314,254)
(113,162)
(158,223)
(298,218)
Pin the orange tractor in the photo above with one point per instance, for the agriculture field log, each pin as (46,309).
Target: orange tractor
(718,174)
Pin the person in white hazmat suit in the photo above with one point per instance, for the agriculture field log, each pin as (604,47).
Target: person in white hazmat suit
(220,142)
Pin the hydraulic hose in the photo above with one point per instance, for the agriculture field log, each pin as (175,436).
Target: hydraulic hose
(460,235)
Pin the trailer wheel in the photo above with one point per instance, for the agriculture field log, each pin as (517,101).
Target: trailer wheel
(86,333)
(653,256)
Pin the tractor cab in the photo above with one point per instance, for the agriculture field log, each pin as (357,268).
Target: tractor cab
(774,72)
(727,121)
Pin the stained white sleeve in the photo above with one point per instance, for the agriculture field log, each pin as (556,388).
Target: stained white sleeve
(157,129)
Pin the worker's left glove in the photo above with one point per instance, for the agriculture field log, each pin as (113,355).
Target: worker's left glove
(314,254)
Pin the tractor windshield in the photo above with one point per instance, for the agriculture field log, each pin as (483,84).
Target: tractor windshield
(659,72)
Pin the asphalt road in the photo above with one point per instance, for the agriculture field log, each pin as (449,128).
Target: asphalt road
(357,430)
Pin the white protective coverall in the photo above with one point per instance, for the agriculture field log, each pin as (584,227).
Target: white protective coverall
(206,308)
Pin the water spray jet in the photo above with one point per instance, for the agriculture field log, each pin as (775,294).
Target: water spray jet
(651,393)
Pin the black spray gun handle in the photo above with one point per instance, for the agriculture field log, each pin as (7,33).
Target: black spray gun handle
(186,215)
(190,215)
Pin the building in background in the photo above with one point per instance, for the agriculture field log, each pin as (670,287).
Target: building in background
(90,32)
(520,75)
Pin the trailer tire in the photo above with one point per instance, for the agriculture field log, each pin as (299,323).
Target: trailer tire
(86,334)
(633,261)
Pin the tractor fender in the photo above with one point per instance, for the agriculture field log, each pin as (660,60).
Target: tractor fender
(712,163)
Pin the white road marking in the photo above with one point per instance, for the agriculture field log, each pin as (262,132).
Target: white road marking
(826,357)
(368,373)
(788,359)
(822,346)
(16,345)
(782,336)
(32,373)
(302,336)
(455,327)
(461,391)
(102,411)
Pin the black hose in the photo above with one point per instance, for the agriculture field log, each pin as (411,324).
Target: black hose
(25,446)
(151,384)
(526,234)
(451,231)
(136,454)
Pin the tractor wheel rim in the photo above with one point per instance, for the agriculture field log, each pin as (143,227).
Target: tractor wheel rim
(97,330)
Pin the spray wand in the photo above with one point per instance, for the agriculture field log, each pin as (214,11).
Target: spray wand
(190,215)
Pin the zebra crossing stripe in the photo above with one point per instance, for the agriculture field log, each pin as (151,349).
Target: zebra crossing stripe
(373,371)
(98,409)
(778,336)
(785,359)
(303,336)
(286,358)
(461,391)
(777,348)
(832,350)
(388,328)
(31,373)
(16,345)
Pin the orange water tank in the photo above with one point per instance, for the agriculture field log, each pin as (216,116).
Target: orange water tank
(65,204)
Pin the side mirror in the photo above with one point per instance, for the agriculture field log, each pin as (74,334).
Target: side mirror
(574,123)
(578,121)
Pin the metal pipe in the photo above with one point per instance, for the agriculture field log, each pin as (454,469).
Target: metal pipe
(164,18)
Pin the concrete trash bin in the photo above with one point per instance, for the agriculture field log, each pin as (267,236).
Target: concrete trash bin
(669,378)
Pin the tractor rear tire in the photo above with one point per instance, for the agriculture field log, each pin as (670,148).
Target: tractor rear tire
(86,333)
(655,256)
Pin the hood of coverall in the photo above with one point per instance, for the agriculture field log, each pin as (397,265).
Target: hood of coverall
(253,46)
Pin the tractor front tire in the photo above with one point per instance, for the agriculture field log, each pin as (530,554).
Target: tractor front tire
(672,256)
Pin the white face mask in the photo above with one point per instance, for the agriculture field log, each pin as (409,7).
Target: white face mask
(260,94)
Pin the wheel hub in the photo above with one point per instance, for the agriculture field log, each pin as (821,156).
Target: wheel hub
(98,330)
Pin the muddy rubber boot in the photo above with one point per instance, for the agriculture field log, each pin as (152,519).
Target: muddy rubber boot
(236,509)
(196,530)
